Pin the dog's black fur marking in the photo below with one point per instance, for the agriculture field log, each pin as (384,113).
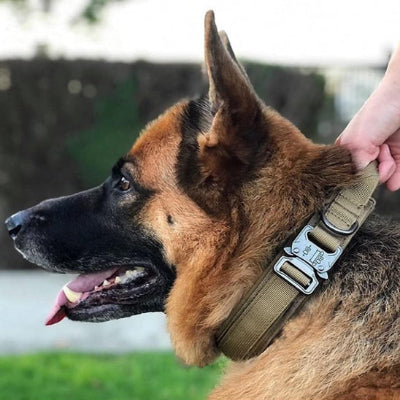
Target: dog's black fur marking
(196,120)
(187,167)
(119,164)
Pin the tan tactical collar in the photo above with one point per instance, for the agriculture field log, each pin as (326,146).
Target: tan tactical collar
(297,271)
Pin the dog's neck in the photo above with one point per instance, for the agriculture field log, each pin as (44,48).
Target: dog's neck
(285,193)
(297,271)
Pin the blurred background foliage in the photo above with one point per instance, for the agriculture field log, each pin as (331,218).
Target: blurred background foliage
(116,118)
(90,12)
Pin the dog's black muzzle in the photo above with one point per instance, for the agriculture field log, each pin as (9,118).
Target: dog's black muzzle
(59,234)
(15,223)
(92,231)
(85,232)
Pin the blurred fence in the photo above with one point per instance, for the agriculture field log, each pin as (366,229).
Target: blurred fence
(64,123)
(346,90)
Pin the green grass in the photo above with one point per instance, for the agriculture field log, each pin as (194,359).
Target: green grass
(72,376)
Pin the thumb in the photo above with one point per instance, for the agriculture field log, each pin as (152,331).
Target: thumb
(387,165)
(360,156)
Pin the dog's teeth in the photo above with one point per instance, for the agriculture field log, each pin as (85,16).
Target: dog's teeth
(96,288)
(106,282)
(129,275)
(72,296)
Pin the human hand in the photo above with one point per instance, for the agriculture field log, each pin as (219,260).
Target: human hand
(374,132)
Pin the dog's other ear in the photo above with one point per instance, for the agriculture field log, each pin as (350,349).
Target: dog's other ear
(234,138)
(225,40)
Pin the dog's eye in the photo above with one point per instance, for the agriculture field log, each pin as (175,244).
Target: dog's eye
(124,184)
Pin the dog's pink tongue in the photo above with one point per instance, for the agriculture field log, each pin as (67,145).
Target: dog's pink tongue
(83,283)
(87,282)
(57,312)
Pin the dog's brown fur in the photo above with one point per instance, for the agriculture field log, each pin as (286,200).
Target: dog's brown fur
(251,181)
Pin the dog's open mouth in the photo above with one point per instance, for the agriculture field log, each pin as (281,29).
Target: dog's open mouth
(94,296)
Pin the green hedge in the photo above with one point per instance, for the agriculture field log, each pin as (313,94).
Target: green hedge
(116,127)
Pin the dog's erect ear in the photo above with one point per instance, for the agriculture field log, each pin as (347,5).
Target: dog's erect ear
(227,44)
(228,82)
(233,139)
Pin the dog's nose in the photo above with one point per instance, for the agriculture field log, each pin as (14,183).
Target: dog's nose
(15,223)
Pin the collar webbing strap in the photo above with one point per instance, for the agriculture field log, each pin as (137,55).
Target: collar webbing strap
(297,271)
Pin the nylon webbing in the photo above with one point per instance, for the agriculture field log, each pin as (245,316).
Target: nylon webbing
(272,297)
(347,208)
(259,317)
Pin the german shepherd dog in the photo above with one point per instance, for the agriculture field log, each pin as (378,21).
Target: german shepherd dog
(186,223)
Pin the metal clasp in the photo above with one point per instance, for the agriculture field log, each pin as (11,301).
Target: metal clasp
(321,260)
(308,258)
(301,266)
(336,230)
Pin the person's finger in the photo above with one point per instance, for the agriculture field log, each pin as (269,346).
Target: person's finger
(361,149)
(387,165)
(361,158)
(393,183)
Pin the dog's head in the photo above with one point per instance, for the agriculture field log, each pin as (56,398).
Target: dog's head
(189,215)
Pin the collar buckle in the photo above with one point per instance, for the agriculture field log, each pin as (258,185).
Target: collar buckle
(309,258)
(321,260)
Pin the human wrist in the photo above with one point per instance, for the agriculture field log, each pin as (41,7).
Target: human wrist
(391,79)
